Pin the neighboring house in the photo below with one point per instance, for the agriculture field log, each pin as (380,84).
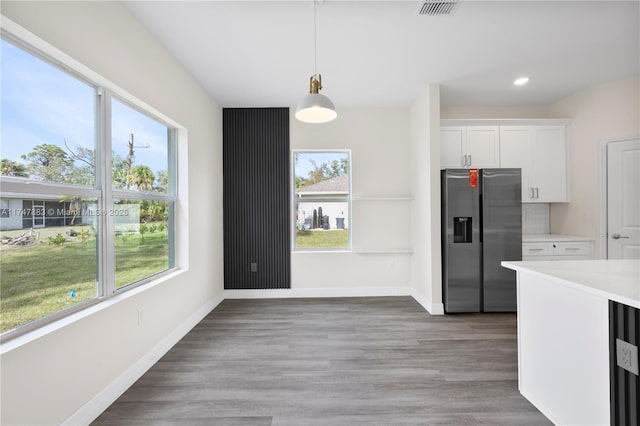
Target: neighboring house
(21,213)
(27,213)
(331,194)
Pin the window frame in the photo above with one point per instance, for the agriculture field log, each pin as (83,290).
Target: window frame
(102,189)
(294,203)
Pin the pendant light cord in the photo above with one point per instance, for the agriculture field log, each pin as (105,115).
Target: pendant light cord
(315,38)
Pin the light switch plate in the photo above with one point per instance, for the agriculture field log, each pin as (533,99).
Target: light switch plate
(627,356)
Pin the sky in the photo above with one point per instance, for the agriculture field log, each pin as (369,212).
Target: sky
(42,104)
(304,166)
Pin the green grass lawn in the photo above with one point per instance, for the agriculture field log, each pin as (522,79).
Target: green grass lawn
(38,280)
(338,238)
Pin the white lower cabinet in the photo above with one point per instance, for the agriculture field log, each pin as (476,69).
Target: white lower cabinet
(570,250)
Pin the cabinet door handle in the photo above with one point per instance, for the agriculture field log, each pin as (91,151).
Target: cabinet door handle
(537,193)
(571,248)
(469,159)
(535,249)
(464,163)
(532,193)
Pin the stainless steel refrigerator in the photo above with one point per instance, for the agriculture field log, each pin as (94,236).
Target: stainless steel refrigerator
(481,226)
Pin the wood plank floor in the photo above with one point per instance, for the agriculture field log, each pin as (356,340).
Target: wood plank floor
(341,361)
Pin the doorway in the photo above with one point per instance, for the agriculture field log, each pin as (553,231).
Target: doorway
(621,211)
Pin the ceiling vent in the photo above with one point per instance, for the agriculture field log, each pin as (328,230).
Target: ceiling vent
(437,7)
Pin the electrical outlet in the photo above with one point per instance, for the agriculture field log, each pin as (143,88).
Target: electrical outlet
(627,356)
(254,267)
(140,316)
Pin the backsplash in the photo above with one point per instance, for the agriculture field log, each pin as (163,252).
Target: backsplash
(535,218)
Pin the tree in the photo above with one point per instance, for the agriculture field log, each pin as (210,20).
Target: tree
(12,168)
(162,181)
(48,162)
(118,170)
(83,169)
(323,171)
(141,177)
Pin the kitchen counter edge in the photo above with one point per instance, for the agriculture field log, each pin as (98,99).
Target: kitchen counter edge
(617,280)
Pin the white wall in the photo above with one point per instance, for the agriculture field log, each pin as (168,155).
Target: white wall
(425,187)
(378,140)
(599,113)
(48,379)
(14,221)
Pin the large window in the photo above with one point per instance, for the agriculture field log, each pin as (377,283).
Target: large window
(322,200)
(88,191)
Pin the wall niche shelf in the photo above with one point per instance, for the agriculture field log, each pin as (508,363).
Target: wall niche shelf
(399,251)
(376,198)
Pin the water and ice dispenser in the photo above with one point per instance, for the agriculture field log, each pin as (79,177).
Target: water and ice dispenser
(462,229)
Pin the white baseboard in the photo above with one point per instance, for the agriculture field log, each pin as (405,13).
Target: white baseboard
(432,308)
(97,405)
(317,292)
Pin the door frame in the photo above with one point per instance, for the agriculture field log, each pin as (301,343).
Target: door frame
(603,172)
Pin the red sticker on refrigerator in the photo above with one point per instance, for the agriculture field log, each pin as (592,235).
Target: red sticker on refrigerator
(473,178)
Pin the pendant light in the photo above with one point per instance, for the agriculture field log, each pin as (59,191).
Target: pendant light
(315,107)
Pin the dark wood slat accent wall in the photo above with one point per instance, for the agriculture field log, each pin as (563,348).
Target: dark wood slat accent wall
(624,323)
(256,198)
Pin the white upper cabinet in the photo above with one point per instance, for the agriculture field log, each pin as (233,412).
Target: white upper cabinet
(483,147)
(514,153)
(538,147)
(541,153)
(452,146)
(469,146)
(548,175)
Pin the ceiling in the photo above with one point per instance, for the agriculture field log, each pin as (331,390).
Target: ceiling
(382,53)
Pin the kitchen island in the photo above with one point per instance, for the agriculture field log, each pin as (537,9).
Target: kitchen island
(563,334)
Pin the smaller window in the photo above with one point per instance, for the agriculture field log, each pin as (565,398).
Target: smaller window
(322,200)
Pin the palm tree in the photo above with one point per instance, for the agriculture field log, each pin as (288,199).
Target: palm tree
(141,177)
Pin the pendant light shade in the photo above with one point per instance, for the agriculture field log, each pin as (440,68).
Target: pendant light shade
(315,107)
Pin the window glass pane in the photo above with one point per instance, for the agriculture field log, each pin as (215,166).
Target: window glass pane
(47,121)
(140,150)
(142,239)
(322,199)
(48,256)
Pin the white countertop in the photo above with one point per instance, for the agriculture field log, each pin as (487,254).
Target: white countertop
(617,280)
(551,238)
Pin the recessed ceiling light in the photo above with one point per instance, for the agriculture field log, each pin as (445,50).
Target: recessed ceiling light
(521,81)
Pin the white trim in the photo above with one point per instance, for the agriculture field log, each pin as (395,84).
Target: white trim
(432,308)
(98,404)
(286,293)
(602,180)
